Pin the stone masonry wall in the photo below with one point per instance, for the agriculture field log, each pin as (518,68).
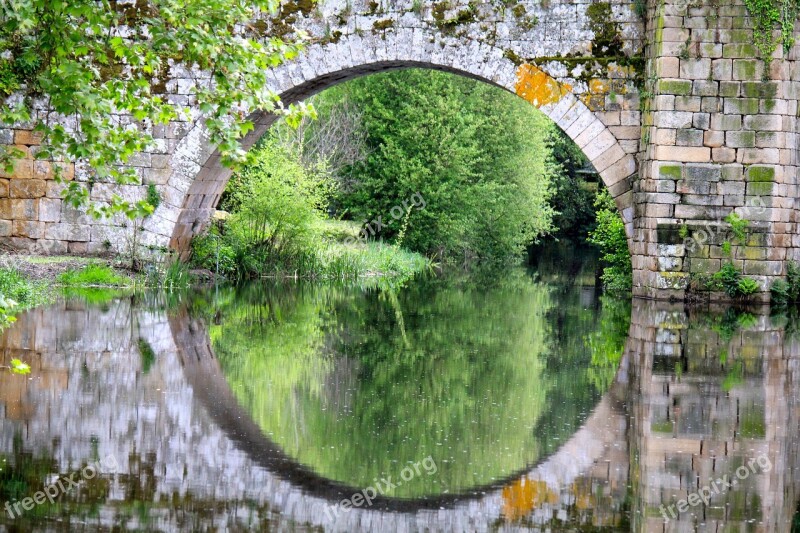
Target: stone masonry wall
(719,137)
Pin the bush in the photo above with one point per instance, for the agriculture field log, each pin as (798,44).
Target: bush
(727,280)
(731,281)
(277,205)
(610,237)
(786,292)
(747,286)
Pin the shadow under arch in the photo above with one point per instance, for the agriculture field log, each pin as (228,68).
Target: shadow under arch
(198,183)
(204,373)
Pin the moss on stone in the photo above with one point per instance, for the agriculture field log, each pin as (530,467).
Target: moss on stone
(607,35)
(760,174)
(381,25)
(670,172)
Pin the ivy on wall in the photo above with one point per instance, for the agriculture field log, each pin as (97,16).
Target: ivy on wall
(766,15)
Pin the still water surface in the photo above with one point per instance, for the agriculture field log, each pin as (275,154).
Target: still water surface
(524,402)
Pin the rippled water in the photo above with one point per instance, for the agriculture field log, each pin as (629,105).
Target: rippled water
(516,401)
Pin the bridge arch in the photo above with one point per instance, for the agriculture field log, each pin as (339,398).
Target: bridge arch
(198,178)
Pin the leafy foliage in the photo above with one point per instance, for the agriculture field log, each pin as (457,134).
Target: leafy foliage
(88,61)
(278,226)
(572,198)
(610,237)
(767,14)
(786,292)
(481,169)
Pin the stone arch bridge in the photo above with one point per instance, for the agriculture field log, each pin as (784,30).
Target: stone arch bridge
(668,99)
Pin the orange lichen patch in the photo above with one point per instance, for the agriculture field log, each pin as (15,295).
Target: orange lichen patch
(537,87)
(523,496)
(598,86)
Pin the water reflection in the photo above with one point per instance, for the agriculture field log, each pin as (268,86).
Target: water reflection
(260,408)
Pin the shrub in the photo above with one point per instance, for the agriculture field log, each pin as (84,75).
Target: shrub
(780,292)
(610,237)
(731,281)
(747,286)
(786,292)
(727,280)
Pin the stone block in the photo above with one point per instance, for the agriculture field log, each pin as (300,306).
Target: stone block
(32,188)
(722,69)
(674,86)
(736,50)
(27,137)
(19,209)
(724,122)
(27,228)
(723,155)
(49,210)
(747,69)
(703,172)
(705,88)
(672,119)
(759,188)
(668,67)
(763,122)
(740,139)
(741,106)
(695,69)
(760,173)
(683,153)
(68,232)
(728,89)
(687,103)
(713,139)
(689,137)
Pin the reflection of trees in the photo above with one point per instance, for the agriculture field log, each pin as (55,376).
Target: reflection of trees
(329,375)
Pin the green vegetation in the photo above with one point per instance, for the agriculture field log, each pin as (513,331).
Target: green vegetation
(573,196)
(610,237)
(17,294)
(767,15)
(787,292)
(72,56)
(481,170)
(729,279)
(279,227)
(93,275)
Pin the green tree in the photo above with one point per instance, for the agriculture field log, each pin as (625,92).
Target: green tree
(610,237)
(480,169)
(573,197)
(89,60)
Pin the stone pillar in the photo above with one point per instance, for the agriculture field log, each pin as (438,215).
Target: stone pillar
(718,137)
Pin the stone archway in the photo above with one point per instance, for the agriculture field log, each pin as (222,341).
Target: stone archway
(198,178)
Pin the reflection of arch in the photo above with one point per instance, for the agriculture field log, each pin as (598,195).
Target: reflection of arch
(198,178)
(202,371)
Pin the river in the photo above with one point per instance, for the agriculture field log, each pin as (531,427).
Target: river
(467,403)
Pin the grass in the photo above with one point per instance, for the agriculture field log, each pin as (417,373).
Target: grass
(340,254)
(93,275)
(18,293)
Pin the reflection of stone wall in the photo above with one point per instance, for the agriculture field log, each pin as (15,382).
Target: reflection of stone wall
(711,392)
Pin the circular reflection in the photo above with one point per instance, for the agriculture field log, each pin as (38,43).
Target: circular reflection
(432,389)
